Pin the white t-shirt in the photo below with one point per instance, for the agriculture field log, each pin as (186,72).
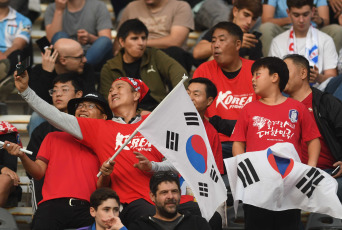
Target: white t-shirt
(327,55)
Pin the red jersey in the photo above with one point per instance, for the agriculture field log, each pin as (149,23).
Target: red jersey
(215,144)
(261,125)
(105,137)
(233,94)
(326,159)
(71,167)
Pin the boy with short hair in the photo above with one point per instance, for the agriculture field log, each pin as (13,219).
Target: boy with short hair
(271,119)
(105,207)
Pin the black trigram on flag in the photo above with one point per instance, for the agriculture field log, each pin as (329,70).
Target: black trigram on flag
(203,188)
(213,174)
(191,118)
(247,173)
(172,140)
(308,184)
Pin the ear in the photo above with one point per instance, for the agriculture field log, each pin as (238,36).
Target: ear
(79,94)
(275,78)
(304,73)
(122,42)
(153,198)
(238,44)
(235,12)
(136,95)
(210,100)
(92,212)
(104,116)
(61,59)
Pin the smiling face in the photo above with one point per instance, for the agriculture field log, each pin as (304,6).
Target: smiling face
(122,94)
(301,19)
(90,110)
(225,47)
(104,215)
(166,199)
(244,18)
(62,94)
(134,46)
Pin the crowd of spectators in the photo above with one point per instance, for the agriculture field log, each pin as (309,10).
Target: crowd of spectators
(252,57)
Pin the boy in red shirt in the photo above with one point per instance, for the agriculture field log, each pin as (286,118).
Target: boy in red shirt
(271,119)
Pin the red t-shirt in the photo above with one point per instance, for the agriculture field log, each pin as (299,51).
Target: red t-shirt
(105,137)
(262,126)
(71,167)
(325,160)
(233,94)
(215,144)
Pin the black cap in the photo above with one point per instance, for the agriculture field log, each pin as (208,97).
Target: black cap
(93,97)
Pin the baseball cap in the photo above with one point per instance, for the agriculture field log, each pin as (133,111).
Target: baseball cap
(92,97)
(137,84)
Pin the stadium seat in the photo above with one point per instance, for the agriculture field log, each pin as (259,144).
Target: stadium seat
(7,220)
(318,221)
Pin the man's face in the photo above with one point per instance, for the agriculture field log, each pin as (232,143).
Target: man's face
(261,80)
(134,45)
(295,77)
(244,19)
(301,18)
(224,47)
(167,199)
(121,94)
(198,95)
(90,109)
(62,94)
(104,215)
(74,60)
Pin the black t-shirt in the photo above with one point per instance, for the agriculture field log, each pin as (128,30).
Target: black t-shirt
(132,69)
(168,225)
(231,75)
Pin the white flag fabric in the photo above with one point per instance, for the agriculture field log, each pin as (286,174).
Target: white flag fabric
(275,179)
(177,131)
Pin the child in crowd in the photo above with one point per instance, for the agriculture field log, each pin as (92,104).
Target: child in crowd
(105,207)
(271,119)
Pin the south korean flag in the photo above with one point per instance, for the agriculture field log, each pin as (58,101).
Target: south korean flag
(177,131)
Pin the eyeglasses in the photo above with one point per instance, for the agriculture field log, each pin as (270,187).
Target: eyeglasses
(63,90)
(89,106)
(78,57)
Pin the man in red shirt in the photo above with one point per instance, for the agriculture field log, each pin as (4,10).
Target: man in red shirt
(327,112)
(231,74)
(70,170)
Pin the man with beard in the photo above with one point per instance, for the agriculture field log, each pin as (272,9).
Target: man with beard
(165,193)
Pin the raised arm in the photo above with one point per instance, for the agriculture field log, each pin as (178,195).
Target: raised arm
(60,120)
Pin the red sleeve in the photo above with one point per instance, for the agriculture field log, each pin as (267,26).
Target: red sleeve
(44,153)
(241,126)
(308,126)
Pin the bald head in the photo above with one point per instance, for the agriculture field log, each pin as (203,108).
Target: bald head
(67,47)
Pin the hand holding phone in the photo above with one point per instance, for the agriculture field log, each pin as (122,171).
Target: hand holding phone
(257,34)
(43,43)
(21,67)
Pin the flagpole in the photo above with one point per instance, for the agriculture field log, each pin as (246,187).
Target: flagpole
(137,130)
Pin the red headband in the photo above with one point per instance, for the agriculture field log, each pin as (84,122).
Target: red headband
(137,84)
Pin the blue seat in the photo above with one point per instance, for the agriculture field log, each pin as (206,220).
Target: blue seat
(319,221)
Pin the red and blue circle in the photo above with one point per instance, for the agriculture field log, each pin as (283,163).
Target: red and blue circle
(197,153)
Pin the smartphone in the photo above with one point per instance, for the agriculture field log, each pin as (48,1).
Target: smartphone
(257,34)
(43,43)
(335,171)
(23,66)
